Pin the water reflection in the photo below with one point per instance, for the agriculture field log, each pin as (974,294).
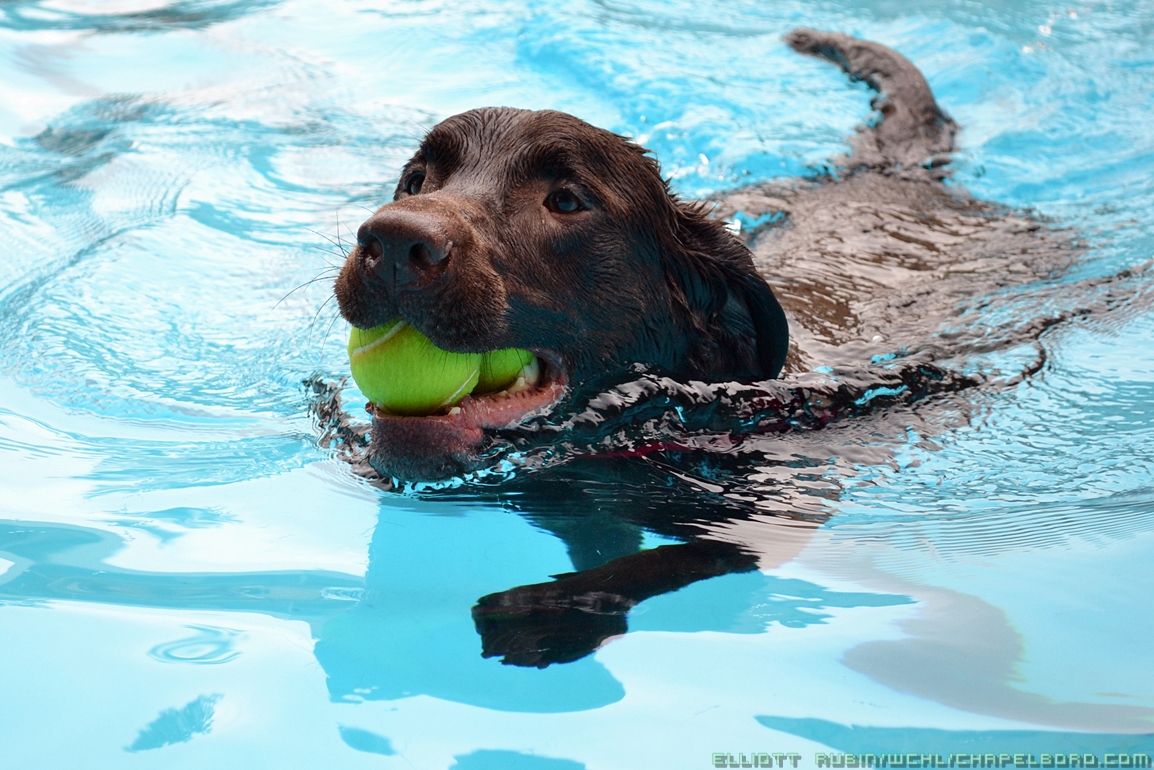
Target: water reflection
(135,325)
(208,646)
(177,725)
(602,509)
(457,602)
(861,739)
(31,16)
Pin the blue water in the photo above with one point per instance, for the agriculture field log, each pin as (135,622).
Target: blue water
(187,579)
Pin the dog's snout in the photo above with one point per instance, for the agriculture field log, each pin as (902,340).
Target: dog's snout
(407,246)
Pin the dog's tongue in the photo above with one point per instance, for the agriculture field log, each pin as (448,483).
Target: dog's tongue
(401,371)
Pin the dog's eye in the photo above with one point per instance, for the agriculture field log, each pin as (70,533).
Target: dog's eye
(413,186)
(563,202)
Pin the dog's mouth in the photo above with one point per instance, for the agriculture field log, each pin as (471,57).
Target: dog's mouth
(540,384)
(451,441)
(435,411)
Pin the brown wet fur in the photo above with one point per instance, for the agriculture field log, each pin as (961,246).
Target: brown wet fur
(873,263)
(477,260)
(889,277)
(475,254)
(880,258)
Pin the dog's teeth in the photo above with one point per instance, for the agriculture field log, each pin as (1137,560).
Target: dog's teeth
(528,378)
(455,410)
(531,372)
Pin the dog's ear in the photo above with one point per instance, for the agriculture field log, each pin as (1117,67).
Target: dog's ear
(732,309)
(769,324)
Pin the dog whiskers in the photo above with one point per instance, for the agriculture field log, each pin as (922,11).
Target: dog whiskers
(324,276)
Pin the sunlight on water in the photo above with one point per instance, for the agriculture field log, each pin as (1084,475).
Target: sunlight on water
(187,577)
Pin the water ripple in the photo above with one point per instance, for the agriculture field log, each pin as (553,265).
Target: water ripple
(210,646)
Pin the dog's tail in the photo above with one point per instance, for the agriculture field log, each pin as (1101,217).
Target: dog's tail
(913,131)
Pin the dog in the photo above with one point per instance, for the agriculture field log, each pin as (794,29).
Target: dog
(536,230)
(662,325)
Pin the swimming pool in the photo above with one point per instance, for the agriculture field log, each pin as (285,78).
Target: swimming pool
(187,577)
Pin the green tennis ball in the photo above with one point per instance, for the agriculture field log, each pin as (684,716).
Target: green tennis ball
(400,369)
(500,368)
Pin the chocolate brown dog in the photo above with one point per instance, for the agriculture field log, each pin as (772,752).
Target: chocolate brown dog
(536,230)
(659,333)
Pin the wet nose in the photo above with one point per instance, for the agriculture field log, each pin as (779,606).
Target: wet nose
(404,246)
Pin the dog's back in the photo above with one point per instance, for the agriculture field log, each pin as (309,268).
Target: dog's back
(878,258)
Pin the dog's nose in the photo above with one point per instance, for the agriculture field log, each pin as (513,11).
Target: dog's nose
(404,246)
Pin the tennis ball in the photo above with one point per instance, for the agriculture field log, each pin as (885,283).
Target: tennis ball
(500,368)
(400,369)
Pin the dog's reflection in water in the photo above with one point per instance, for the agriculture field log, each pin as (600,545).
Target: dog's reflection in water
(602,509)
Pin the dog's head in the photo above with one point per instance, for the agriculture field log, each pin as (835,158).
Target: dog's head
(536,230)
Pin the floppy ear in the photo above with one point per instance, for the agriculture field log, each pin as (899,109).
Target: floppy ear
(741,327)
(769,323)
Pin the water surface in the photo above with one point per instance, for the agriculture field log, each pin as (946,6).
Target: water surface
(188,577)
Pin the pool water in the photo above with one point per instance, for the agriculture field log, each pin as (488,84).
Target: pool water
(189,577)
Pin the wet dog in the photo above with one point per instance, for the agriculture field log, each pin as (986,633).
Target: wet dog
(661,326)
(536,230)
